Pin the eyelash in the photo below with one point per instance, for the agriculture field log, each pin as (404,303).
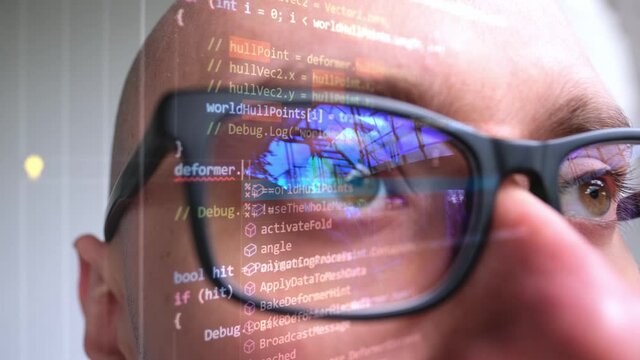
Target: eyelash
(623,188)
(622,184)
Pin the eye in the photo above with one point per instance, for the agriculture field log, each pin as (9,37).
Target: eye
(590,196)
(378,193)
(370,191)
(595,197)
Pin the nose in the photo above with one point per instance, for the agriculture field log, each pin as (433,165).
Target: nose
(540,290)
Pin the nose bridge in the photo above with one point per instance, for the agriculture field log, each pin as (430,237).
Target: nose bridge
(522,156)
(518,156)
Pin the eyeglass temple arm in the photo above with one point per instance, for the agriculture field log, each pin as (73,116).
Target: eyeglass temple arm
(154,146)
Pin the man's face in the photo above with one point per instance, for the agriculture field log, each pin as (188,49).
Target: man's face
(540,289)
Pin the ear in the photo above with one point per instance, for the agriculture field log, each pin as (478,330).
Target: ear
(99,304)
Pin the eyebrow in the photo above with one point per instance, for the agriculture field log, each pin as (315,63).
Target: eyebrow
(432,97)
(581,113)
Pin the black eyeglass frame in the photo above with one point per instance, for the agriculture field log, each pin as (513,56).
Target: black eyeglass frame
(181,117)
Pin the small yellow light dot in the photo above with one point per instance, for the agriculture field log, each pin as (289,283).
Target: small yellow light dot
(33,165)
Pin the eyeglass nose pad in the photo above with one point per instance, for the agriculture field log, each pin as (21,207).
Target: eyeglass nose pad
(521,180)
(529,181)
(538,188)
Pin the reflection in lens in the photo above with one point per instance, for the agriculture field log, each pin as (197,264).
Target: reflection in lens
(600,192)
(335,208)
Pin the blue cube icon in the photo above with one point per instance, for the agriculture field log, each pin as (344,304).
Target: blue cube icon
(250,230)
(249,308)
(250,250)
(250,288)
(249,327)
(249,346)
(250,269)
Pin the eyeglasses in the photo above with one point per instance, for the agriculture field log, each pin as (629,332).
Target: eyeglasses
(346,205)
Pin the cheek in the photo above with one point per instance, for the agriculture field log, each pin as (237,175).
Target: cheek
(613,243)
(620,255)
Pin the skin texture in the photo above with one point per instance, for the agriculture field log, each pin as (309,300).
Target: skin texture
(540,289)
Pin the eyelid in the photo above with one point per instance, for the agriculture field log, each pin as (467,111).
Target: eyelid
(578,167)
(583,178)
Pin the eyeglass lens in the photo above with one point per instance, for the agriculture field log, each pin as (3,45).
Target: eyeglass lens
(337,208)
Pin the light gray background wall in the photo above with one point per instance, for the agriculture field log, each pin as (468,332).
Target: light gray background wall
(62,66)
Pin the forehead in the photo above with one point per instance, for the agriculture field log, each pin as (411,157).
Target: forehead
(495,65)
(406,39)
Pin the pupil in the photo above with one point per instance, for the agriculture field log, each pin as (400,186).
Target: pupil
(594,193)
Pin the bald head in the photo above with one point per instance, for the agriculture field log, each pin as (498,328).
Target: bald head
(421,51)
